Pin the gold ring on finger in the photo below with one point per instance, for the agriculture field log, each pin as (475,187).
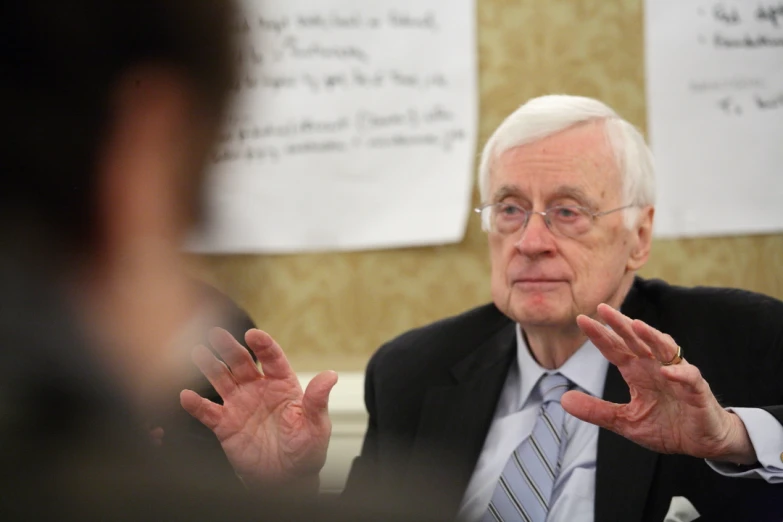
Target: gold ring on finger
(676,359)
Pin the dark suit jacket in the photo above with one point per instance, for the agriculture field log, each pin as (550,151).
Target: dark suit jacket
(431,395)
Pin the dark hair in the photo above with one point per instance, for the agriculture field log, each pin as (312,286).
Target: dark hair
(60,62)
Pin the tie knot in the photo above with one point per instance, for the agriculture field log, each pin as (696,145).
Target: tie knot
(552,386)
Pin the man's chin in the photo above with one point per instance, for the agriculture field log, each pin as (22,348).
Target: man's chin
(539,314)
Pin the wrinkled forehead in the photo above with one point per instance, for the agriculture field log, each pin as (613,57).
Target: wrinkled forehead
(578,160)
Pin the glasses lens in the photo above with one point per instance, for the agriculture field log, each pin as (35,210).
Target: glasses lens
(569,221)
(506,218)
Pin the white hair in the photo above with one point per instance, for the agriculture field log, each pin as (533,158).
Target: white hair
(547,115)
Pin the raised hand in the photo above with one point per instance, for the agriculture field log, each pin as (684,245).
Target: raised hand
(269,430)
(672,409)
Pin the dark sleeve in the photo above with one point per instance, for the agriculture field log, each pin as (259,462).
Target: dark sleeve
(776,411)
(775,363)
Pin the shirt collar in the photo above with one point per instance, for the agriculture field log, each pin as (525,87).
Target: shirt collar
(586,368)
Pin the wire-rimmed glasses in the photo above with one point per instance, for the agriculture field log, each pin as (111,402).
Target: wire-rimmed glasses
(567,220)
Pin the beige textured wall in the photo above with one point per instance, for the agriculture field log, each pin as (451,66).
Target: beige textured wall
(334,310)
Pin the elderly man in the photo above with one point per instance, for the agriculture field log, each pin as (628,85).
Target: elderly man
(549,403)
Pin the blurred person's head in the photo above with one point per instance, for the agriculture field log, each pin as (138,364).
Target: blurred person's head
(592,173)
(109,112)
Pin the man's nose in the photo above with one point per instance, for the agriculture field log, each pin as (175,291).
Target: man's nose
(536,238)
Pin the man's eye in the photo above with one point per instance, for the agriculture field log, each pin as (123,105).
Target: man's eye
(510,210)
(567,213)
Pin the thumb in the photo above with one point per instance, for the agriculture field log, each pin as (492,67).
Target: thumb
(316,397)
(590,409)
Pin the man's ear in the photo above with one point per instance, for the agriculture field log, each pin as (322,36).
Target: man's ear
(643,238)
(144,159)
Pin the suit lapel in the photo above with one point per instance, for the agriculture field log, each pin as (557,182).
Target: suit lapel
(455,419)
(624,470)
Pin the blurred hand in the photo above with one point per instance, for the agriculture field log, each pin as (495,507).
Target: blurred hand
(672,409)
(269,429)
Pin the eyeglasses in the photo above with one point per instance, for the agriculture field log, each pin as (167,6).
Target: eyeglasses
(567,221)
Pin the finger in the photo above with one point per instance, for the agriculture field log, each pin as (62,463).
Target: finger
(590,409)
(316,396)
(273,361)
(687,375)
(622,326)
(215,371)
(688,386)
(609,343)
(235,355)
(664,347)
(204,411)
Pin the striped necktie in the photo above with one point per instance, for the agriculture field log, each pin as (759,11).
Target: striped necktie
(525,486)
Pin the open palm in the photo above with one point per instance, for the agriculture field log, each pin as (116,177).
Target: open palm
(672,409)
(269,429)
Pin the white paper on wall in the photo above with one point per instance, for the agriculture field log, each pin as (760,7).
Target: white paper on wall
(715,113)
(354,127)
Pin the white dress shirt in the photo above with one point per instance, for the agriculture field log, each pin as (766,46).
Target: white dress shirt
(574,490)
